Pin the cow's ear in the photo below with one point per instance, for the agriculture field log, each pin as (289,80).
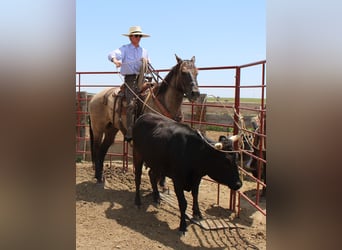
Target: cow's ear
(222,138)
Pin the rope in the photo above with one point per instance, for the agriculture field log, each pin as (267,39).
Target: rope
(137,96)
(156,76)
(213,146)
(242,134)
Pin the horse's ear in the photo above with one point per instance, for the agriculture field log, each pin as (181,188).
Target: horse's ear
(193,59)
(179,60)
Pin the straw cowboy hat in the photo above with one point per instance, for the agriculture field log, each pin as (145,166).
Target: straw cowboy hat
(136,30)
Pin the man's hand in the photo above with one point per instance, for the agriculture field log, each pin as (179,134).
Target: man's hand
(117,63)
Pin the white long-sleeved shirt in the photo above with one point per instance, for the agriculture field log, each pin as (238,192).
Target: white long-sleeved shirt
(130,58)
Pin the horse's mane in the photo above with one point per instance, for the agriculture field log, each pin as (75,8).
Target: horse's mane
(167,80)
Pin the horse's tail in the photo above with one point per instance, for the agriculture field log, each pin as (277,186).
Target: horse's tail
(91,142)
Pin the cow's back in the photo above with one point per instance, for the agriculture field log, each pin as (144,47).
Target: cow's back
(162,141)
(159,140)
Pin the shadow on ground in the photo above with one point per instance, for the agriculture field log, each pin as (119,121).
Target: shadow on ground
(144,221)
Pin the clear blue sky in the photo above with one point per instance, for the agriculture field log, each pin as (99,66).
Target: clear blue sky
(217,33)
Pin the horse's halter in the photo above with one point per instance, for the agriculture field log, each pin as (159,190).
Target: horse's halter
(187,79)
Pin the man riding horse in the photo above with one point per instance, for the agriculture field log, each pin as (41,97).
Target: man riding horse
(166,97)
(133,60)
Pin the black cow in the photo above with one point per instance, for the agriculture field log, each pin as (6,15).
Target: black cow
(175,150)
(224,143)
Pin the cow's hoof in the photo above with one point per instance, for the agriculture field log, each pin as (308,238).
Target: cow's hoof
(156,203)
(197,217)
(100,179)
(100,184)
(263,193)
(165,190)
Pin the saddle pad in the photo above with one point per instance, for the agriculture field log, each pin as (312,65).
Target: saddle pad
(112,92)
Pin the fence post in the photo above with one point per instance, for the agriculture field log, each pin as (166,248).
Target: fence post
(81,123)
(232,203)
(200,113)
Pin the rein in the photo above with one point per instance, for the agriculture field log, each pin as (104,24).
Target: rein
(156,76)
(161,107)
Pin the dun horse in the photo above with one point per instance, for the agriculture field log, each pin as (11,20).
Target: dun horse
(107,115)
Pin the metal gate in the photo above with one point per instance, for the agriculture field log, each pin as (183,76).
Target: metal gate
(195,117)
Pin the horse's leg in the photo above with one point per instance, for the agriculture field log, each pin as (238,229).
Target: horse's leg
(154,183)
(182,203)
(138,164)
(106,143)
(196,213)
(92,150)
(95,148)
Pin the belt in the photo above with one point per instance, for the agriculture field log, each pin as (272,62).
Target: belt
(131,75)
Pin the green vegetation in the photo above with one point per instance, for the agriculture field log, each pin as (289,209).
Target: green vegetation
(219,128)
(78,159)
(231,99)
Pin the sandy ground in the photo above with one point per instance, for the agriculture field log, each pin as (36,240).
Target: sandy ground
(106,218)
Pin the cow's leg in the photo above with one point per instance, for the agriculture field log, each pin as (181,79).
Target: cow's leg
(182,206)
(162,183)
(154,182)
(92,146)
(137,163)
(264,177)
(196,213)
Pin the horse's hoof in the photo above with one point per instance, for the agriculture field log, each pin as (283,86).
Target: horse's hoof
(181,233)
(137,203)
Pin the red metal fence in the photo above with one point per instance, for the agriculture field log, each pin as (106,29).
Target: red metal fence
(236,108)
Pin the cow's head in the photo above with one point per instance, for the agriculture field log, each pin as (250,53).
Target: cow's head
(225,169)
(225,143)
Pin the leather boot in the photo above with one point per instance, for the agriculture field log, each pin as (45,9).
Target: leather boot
(129,122)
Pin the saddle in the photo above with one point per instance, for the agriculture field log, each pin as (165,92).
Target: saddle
(119,104)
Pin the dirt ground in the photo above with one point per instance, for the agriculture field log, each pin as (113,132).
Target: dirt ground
(106,218)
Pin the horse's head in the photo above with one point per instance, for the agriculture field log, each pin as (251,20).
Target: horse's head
(187,78)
